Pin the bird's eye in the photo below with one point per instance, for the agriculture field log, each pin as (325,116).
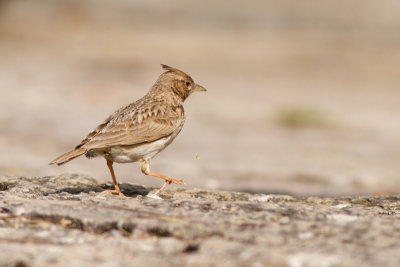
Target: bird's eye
(187,83)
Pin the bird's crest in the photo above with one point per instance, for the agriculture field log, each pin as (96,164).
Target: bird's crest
(171,69)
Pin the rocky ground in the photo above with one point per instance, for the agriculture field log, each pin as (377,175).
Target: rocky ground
(303,96)
(66,221)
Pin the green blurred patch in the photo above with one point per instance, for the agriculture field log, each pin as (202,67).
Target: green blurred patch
(309,178)
(301,117)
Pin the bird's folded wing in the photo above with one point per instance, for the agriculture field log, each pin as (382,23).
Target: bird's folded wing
(131,132)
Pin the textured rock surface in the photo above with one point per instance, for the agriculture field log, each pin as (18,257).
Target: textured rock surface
(66,221)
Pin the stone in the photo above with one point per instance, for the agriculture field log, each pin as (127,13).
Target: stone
(66,220)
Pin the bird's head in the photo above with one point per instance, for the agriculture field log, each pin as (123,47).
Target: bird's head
(179,82)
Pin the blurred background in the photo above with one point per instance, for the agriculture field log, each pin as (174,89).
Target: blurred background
(303,96)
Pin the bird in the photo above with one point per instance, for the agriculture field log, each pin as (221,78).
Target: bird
(139,131)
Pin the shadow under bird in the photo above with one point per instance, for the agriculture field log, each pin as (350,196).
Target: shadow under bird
(142,129)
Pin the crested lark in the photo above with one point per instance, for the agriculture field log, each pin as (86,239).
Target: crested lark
(139,131)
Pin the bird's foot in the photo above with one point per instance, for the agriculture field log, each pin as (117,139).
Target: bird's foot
(113,192)
(171,180)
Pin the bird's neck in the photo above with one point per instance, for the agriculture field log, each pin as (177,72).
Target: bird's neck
(166,96)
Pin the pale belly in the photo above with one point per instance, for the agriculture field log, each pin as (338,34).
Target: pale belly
(140,152)
(125,154)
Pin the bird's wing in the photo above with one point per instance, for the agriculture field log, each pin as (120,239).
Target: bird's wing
(141,128)
(94,132)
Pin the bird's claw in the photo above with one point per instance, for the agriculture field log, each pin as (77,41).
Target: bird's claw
(170,180)
(175,181)
(113,192)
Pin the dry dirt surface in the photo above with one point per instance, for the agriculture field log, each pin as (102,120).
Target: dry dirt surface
(67,221)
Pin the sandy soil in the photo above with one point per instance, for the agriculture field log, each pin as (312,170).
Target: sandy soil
(302,98)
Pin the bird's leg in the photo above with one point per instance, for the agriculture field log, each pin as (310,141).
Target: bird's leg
(168,180)
(116,186)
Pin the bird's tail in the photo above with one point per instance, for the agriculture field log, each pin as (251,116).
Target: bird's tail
(69,156)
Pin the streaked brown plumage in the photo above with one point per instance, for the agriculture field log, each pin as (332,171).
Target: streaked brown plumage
(140,130)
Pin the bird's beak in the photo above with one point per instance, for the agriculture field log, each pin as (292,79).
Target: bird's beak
(199,88)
